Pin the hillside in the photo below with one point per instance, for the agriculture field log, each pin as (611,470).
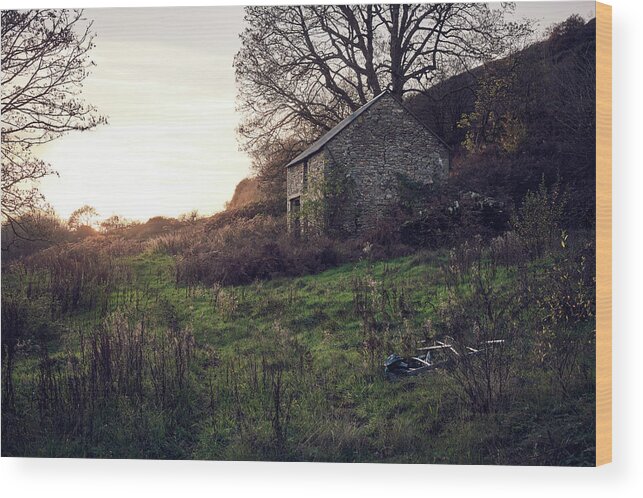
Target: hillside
(288,369)
(445,103)
(524,118)
(246,192)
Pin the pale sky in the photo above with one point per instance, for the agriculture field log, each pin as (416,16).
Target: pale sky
(164,79)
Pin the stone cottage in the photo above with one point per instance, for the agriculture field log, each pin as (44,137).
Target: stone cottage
(349,178)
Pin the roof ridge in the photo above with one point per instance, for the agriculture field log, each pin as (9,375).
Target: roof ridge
(318,144)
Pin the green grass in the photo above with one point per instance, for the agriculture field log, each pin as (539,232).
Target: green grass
(339,405)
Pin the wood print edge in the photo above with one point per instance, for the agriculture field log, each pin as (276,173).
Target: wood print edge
(603,233)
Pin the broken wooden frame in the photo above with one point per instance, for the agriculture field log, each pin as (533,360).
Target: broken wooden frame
(396,366)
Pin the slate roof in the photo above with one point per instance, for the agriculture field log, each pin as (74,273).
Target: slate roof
(333,132)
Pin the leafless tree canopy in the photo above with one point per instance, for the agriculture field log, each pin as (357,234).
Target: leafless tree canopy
(301,69)
(83,216)
(45,59)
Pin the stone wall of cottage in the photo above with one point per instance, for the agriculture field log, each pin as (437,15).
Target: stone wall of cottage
(310,194)
(385,142)
(367,157)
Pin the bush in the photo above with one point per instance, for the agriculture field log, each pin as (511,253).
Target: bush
(566,300)
(246,250)
(174,243)
(78,276)
(246,212)
(480,314)
(32,233)
(539,220)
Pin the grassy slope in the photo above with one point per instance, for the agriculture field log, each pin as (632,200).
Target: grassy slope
(342,407)
(375,420)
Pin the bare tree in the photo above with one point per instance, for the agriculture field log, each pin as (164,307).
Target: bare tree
(114,223)
(84,216)
(573,96)
(303,68)
(45,59)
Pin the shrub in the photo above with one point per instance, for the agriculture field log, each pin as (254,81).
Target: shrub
(539,219)
(566,301)
(78,276)
(245,212)
(31,233)
(246,250)
(172,243)
(480,314)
